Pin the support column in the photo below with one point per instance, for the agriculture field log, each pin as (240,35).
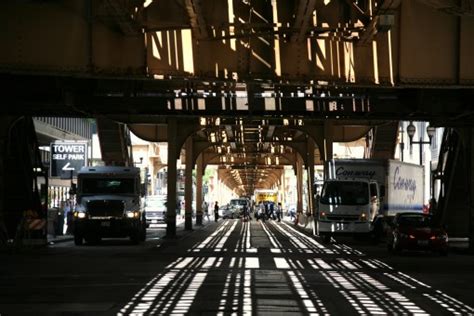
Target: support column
(199,197)
(171,179)
(328,142)
(470,173)
(299,185)
(310,168)
(188,185)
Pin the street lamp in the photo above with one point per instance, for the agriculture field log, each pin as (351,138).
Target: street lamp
(411,130)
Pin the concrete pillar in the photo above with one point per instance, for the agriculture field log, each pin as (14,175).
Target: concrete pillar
(299,184)
(188,185)
(171,184)
(199,197)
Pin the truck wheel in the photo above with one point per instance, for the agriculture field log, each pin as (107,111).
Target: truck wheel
(135,237)
(78,239)
(143,234)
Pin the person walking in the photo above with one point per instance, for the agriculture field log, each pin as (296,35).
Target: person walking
(205,208)
(216,211)
(278,211)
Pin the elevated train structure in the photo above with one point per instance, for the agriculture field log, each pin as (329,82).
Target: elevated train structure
(237,83)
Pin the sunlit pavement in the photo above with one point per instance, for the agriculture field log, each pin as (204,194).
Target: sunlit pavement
(257,268)
(230,267)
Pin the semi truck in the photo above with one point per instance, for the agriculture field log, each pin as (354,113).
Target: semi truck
(108,204)
(359,196)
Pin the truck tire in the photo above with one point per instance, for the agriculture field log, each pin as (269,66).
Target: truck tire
(135,237)
(143,233)
(78,239)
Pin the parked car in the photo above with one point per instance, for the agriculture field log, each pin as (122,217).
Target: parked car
(416,231)
(228,211)
(155,209)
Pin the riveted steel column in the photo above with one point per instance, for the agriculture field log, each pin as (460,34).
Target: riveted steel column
(310,168)
(188,185)
(171,185)
(299,184)
(199,198)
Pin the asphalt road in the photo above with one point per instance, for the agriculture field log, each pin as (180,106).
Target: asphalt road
(233,267)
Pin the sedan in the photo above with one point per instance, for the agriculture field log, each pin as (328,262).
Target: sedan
(416,231)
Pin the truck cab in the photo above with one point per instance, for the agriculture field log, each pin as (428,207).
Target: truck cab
(348,206)
(109,204)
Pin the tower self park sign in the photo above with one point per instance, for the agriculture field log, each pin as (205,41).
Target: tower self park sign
(67,158)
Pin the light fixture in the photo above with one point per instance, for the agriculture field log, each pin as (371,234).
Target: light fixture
(431,131)
(411,130)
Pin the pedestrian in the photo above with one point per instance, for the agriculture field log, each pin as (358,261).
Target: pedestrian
(205,209)
(261,211)
(216,211)
(278,212)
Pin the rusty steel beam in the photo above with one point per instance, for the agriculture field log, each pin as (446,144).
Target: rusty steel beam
(198,23)
(303,19)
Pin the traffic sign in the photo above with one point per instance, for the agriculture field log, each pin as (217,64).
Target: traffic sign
(67,158)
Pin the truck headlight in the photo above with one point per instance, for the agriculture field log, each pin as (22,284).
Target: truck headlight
(133,214)
(362,216)
(80,215)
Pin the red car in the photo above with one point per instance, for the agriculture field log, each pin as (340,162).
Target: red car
(415,231)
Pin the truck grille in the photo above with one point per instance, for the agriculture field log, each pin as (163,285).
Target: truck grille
(343,217)
(112,208)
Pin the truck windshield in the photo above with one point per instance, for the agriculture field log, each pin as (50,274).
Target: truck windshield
(240,202)
(108,186)
(345,193)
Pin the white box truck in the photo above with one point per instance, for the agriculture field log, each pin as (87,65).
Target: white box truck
(109,204)
(359,195)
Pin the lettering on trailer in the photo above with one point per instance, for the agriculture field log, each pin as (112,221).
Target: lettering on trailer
(404,184)
(67,158)
(341,172)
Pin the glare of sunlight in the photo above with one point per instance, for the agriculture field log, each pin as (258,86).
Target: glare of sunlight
(393,277)
(147,3)
(156,44)
(322,49)
(309,105)
(188,297)
(349,61)
(188,57)
(310,308)
(252,263)
(276,41)
(414,280)
(281,263)
(376,62)
(269,104)
(347,264)
(230,6)
(390,58)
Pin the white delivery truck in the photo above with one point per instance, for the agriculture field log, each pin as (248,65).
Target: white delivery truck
(109,204)
(360,195)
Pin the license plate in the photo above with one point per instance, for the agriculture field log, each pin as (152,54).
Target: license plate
(105,224)
(154,221)
(422,242)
